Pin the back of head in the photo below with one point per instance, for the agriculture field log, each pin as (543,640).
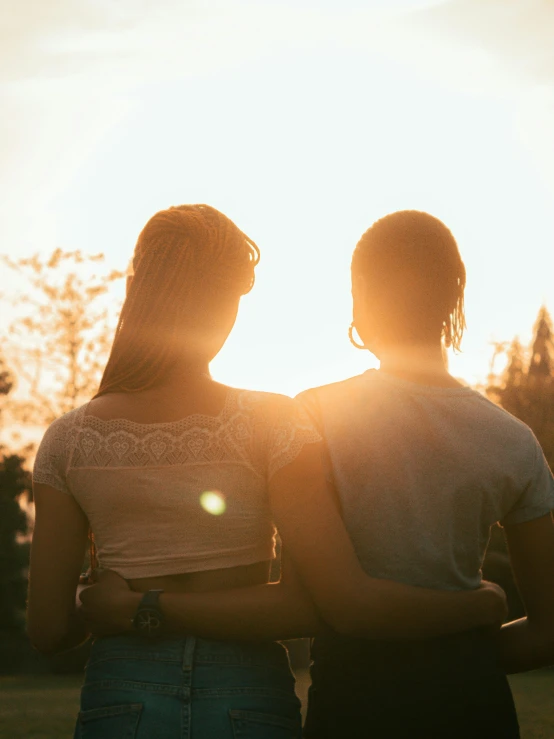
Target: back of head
(190,266)
(414,278)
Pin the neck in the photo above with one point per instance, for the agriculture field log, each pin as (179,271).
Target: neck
(424,364)
(186,369)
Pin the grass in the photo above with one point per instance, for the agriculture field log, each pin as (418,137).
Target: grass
(533,696)
(39,706)
(44,706)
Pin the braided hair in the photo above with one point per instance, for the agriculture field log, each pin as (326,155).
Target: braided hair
(413,268)
(189,262)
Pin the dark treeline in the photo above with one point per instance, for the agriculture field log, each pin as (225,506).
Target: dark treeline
(15,484)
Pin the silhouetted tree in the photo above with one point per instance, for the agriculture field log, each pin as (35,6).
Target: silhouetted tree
(541,366)
(526,387)
(58,345)
(6,381)
(15,481)
(62,339)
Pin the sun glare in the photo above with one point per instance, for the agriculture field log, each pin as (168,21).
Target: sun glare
(391,114)
(212,501)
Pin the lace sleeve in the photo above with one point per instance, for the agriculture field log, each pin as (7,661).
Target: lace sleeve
(51,460)
(290,430)
(310,403)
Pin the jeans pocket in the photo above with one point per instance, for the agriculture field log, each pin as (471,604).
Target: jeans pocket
(256,725)
(109,722)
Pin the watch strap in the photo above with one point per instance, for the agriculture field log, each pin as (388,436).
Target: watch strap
(150,599)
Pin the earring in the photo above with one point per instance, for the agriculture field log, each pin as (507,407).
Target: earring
(353,341)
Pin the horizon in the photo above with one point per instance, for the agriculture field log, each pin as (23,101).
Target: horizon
(304,124)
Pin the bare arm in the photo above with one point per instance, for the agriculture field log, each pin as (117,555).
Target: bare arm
(57,554)
(350,601)
(528,643)
(314,534)
(280,610)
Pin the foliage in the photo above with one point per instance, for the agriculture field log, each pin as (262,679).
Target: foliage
(6,379)
(15,482)
(60,342)
(526,387)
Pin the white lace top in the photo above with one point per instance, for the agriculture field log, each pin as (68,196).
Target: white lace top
(141,486)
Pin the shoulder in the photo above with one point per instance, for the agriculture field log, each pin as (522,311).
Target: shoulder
(277,413)
(265,404)
(280,425)
(314,398)
(65,424)
(333,389)
(512,439)
(503,419)
(60,433)
(50,465)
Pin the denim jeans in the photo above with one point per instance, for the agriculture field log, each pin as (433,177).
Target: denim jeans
(187,688)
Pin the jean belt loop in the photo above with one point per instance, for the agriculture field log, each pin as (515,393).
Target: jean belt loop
(188,654)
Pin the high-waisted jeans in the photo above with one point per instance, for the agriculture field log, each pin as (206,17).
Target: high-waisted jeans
(187,688)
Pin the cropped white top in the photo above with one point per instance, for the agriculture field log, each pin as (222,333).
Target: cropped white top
(143,486)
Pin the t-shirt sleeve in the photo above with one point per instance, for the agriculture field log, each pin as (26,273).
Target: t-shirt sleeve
(289,430)
(51,461)
(537,498)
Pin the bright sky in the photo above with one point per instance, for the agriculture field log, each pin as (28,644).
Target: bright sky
(304,121)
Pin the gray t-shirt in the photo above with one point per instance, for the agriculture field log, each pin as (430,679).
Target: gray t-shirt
(423,472)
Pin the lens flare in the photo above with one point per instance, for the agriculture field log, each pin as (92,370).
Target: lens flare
(213,502)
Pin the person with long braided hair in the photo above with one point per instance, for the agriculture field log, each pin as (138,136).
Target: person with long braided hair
(190,264)
(181,479)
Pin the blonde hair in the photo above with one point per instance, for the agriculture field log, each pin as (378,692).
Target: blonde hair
(411,261)
(189,261)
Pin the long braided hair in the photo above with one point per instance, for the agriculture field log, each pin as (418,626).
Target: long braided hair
(411,262)
(189,259)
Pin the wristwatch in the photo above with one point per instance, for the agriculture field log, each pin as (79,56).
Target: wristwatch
(149,619)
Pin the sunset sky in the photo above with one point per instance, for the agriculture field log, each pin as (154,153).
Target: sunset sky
(304,121)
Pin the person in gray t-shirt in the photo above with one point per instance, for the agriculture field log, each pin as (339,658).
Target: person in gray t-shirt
(422,473)
(423,467)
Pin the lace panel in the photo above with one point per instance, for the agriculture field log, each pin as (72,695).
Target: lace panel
(263,431)
(54,452)
(284,426)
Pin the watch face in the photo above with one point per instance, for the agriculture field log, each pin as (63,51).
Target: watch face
(148,622)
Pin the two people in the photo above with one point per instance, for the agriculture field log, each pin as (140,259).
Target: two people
(383,489)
